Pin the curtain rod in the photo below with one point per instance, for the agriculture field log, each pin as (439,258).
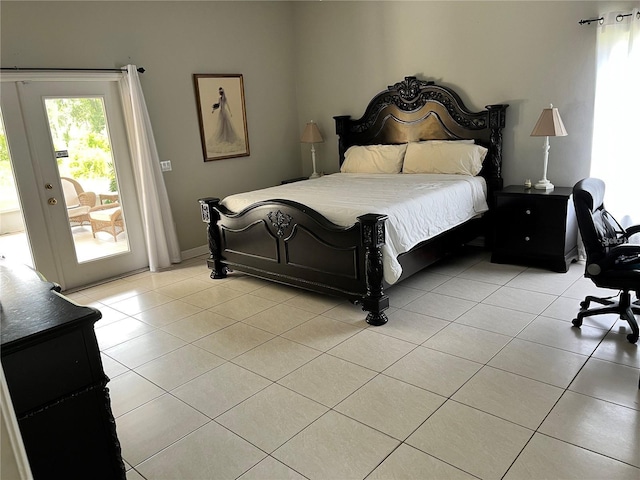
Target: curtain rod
(20,69)
(601,19)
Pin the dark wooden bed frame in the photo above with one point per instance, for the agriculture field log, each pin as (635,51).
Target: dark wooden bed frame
(290,243)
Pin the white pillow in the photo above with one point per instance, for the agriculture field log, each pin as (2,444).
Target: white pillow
(470,141)
(374,159)
(444,157)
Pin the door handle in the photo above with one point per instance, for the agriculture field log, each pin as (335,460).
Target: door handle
(52,201)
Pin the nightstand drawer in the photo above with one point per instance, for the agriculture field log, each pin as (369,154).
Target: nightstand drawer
(529,213)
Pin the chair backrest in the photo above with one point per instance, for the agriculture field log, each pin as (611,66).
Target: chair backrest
(599,230)
(71,189)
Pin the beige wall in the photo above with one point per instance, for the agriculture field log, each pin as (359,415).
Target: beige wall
(526,54)
(174,40)
(314,60)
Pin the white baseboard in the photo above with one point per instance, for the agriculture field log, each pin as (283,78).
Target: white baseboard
(195,252)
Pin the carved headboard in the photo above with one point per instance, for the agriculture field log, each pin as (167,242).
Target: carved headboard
(415,110)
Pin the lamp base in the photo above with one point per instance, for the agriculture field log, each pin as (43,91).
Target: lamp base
(315,175)
(543,185)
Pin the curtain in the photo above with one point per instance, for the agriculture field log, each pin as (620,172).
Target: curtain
(616,146)
(159,230)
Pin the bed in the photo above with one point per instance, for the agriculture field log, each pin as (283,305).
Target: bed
(351,246)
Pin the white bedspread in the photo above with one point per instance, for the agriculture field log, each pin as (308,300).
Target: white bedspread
(419,206)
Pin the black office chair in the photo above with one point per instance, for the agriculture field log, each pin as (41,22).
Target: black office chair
(611,261)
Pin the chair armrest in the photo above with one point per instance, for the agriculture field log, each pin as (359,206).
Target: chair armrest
(87,199)
(625,249)
(622,257)
(632,230)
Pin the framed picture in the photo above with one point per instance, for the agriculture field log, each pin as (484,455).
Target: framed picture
(222,115)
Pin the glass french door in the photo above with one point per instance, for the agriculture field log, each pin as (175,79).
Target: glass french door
(66,144)
(12,230)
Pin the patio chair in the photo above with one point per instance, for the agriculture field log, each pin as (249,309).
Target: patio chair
(78,202)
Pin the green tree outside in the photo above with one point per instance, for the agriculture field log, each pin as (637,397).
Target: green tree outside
(77,125)
(8,193)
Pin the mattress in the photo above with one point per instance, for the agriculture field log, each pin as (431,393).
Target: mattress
(418,206)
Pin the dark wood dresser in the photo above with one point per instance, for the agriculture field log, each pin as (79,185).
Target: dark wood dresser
(54,373)
(533,227)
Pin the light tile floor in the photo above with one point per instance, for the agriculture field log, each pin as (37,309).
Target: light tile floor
(478,373)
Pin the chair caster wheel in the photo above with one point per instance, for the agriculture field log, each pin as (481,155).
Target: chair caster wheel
(632,337)
(576,322)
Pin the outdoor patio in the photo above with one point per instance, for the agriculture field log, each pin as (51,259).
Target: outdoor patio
(16,247)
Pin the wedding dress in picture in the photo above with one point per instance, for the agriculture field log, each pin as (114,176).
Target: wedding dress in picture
(224,138)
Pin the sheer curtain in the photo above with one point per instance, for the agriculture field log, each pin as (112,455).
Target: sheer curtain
(616,143)
(159,230)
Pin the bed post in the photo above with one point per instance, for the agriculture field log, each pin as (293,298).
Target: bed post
(496,124)
(373,235)
(211,216)
(342,131)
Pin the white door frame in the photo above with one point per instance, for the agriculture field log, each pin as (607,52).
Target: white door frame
(40,220)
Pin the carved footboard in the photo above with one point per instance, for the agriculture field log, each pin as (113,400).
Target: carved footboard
(290,243)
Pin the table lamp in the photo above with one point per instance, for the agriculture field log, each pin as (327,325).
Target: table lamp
(312,135)
(549,125)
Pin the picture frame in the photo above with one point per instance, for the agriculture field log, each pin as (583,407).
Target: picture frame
(222,115)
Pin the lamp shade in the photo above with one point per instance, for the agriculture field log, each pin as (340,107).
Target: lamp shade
(549,124)
(311,134)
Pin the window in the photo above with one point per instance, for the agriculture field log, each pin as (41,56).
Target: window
(616,143)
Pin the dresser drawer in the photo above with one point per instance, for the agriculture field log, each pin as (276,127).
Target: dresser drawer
(46,371)
(73,436)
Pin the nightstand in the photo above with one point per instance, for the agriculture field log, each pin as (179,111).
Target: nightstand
(533,227)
